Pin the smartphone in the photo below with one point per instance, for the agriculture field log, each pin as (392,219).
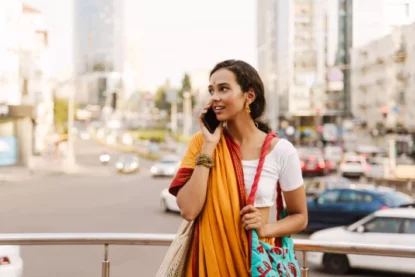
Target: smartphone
(210,120)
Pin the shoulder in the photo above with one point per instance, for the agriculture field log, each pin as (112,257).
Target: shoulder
(196,141)
(284,147)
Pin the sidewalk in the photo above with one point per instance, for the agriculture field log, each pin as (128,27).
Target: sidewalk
(15,174)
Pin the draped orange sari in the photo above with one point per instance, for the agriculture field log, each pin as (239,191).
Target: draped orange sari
(220,246)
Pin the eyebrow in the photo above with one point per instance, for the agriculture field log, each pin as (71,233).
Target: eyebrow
(220,84)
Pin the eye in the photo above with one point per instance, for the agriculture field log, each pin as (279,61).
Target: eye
(211,91)
(223,89)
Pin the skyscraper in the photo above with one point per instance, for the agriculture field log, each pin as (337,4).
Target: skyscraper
(98,36)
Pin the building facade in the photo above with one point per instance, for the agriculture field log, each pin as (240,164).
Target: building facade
(99,52)
(296,41)
(383,81)
(98,36)
(26,106)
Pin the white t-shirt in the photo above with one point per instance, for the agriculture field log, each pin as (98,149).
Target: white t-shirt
(283,164)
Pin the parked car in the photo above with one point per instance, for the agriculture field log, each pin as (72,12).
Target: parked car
(168,202)
(343,206)
(128,163)
(354,166)
(331,165)
(318,185)
(388,227)
(11,263)
(166,167)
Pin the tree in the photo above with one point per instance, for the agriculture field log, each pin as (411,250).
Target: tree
(160,99)
(186,86)
(60,114)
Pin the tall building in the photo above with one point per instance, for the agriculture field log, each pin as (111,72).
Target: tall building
(99,37)
(26,104)
(362,21)
(99,50)
(385,65)
(293,50)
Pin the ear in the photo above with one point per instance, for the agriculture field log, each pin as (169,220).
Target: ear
(251,96)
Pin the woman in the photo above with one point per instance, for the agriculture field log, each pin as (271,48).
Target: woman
(218,170)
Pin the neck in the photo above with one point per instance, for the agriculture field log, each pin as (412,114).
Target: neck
(242,129)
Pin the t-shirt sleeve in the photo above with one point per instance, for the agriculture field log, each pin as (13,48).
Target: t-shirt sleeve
(291,176)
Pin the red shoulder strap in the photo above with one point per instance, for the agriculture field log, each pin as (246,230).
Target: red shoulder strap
(264,151)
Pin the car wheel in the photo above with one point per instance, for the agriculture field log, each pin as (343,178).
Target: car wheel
(163,206)
(336,263)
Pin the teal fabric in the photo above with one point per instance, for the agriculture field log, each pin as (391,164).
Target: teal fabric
(271,261)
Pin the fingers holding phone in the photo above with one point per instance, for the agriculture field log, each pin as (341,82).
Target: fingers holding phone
(211,127)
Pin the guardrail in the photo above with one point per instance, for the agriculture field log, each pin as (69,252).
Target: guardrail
(107,239)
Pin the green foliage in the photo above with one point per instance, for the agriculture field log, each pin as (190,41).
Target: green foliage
(149,134)
(60,114)
(186,86)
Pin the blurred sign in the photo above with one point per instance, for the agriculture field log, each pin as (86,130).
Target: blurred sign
(8,150)
(330,131)
(171,96)
(4,110)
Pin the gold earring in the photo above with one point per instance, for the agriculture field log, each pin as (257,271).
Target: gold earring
(247,108)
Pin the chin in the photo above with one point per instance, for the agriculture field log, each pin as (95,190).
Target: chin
(222,117)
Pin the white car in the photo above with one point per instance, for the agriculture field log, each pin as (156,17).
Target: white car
(354,166)
(167,166)
(11,263)
(168,201)
(388,227)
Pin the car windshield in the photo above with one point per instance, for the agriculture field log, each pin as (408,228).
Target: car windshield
(168,161)
(127,158)
(396,198)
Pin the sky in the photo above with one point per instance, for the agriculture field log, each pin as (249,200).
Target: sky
(170,37)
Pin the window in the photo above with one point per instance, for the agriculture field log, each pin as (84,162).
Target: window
(383,225)
(348,196)
(409,226)
(329,197)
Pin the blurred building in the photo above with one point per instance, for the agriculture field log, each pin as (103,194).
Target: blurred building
(99,50)
(296,40)
(362,21)
(304,59)
(98,35)
(383,81)
(26,102)
(37,87)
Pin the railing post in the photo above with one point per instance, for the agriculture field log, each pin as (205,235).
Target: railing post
(106,262)
(304,268)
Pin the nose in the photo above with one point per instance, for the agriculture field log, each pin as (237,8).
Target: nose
(215,96)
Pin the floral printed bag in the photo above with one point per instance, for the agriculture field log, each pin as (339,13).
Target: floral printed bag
(268,260)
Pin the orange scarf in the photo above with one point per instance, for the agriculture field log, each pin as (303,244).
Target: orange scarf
(220,246)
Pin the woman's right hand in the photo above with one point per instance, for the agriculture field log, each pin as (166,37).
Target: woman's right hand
(209,138)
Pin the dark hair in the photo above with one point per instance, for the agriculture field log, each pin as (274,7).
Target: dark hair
(248,78)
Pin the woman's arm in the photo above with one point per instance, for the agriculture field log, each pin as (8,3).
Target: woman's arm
(297,218)
(192,196)
(291,182)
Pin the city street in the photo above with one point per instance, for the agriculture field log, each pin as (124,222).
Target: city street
(100,200)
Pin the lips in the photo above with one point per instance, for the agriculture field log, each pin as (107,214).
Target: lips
(218,109)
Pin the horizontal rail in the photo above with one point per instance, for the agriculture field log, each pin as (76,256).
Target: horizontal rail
(166,239)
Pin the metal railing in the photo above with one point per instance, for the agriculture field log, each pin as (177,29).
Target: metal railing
(107,239)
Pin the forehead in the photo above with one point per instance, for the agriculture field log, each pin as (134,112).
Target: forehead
(222,75)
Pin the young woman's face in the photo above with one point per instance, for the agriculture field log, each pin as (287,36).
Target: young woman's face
(228,100)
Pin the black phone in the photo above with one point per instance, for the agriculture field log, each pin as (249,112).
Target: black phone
(210,120)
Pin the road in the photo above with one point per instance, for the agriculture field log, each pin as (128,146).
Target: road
(98,201)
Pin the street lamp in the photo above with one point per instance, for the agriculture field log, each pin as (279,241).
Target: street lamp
(187,110)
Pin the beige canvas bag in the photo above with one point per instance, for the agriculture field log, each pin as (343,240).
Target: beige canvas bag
(175,258)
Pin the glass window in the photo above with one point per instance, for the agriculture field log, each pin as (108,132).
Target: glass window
(383,225)
(329,197)
(409,226)
(348,196)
